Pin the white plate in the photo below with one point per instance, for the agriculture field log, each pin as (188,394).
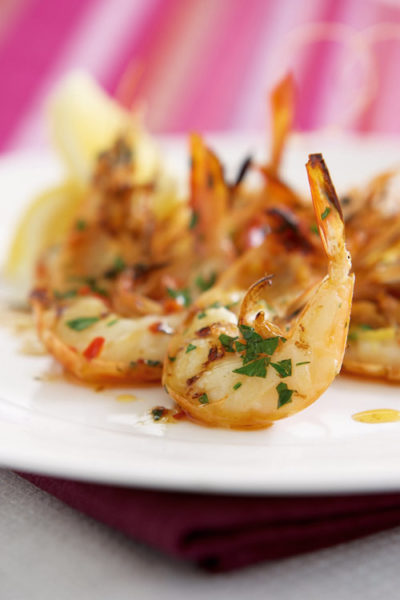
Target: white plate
(58,428)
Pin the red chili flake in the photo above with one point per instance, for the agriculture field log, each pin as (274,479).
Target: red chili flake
(179,415)
(171,305)
(94,348)
(159,327)
(84,290)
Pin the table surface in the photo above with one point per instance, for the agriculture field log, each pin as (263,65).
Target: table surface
(50,551)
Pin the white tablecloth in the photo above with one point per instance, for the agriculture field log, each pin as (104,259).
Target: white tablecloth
(50,552)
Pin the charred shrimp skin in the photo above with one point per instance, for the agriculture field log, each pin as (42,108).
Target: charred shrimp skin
(247,371)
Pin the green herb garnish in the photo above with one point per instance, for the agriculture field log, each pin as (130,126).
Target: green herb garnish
(237,385)
(227,342)
(80,225)
(171,358)
(314,229)
(63,295)
(203,399)
(182,296)
(193,220)
(153,363)
(157,413)
(201,315)
(206,284)
(215,305)
(365,327)
(283,367)
(111,323)
(306,362)
(257,368)
(119,264)
(325,213)
(285,395)
(82,323)
(255,344)
(190,348)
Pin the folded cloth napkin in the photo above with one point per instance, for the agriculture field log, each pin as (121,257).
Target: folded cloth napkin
(222,533)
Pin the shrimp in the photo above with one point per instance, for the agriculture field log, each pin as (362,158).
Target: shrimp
(247,371)
(97,345)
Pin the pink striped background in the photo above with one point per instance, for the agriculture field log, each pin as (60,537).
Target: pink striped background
(204,64)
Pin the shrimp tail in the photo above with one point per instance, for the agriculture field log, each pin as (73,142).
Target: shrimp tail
(329,216)
(282,103)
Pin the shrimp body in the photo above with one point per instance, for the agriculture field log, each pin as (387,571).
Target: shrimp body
(248,371)
(96,345)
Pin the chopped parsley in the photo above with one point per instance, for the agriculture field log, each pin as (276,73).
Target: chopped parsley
(203,399)
(82,323)
(255,344)
(67,294)
(284,394)
(171,358)
(190,348)
(182,296)
(153,363)
(193,220)
(201,315)
(119,264)
(111,323)
(227,342)
(325,213)
(205,284)
(306,362)
(283,367)
(215,305)
(314,229)
(158,413)
(257,368)
(365,327)
(237,385)
(80,225)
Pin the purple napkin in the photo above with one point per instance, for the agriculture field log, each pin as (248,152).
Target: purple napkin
(223,533)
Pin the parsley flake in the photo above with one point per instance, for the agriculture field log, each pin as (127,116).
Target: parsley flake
(190,348)
(306,362)
(171,358)
(201,315)
(227,342)
(63,295)
(283,367)
(80,225)
(193,220)
(257,368)
(158,413)
(314,229)
(153,363)
(111,323)
(203,399)
(285,395)
(182,296)
(325,213)
(205,284)
(82,323)
(119,264)
(237,385)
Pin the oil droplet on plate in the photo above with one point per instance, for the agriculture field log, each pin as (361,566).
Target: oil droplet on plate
(126,398)
(379,415)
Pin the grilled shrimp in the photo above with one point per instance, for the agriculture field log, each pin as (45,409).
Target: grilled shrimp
(97,345)
(247,370)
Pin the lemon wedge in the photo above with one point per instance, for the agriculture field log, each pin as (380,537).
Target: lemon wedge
(84,121)
(44,223)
